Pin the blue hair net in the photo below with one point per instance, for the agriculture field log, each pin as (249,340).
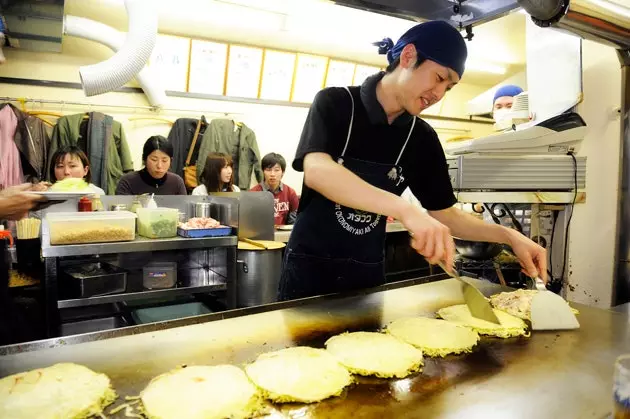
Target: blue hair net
(507,90)
(435,40)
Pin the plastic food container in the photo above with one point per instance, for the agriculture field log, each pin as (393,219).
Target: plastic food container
(159,275)
(91,227)
(204,232)
(172,312)
(158,223)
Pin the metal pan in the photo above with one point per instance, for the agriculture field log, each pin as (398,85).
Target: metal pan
(477,250)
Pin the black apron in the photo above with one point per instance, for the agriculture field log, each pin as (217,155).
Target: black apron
(333,248)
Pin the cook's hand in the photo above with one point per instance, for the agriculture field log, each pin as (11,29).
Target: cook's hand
(429,237)
(15,202)
(41,186)
(17,189)
(531,256)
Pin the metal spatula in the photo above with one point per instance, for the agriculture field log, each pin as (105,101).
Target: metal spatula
(477,303)
(254,243)
(550,311)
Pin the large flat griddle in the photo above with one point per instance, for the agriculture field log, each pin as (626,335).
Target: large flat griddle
(550,375)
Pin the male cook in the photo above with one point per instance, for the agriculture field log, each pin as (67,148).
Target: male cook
(503,100)
(360,148)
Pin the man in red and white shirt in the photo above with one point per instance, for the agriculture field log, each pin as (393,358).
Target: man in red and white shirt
(284,197)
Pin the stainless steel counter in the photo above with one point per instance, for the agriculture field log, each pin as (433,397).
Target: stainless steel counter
(622,308)
(213,278)
(140,244)
(549,375)
(283,236)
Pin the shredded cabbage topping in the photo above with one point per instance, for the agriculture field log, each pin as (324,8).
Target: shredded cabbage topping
(70,184)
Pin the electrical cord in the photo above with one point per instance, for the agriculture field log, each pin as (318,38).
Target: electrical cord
(560,283)
(555,215)
(552,280)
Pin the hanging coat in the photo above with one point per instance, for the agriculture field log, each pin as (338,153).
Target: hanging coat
(10,165)
(32,138)
(181,136)
(103,141)
(221,137)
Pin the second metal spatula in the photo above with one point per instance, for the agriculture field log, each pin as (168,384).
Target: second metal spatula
(477,303)
(550,311)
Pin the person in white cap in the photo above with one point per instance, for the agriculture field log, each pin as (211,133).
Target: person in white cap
(503,100)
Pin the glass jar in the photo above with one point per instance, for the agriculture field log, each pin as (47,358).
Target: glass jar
(135,205)
(97,205)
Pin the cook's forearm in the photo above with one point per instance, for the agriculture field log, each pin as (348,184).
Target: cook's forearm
(342,186)
(468,227)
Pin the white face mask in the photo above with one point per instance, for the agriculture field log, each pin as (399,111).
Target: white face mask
(501,114)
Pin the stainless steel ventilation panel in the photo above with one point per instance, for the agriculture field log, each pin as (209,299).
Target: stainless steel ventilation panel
(34,25)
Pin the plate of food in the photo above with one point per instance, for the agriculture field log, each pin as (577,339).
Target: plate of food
(63,196)
(69,188)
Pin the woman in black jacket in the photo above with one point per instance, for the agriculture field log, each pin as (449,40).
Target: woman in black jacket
(157,154)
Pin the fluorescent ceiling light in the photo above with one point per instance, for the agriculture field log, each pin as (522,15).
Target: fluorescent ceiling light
(485,67)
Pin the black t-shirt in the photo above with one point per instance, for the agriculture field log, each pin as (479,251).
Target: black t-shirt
(373,139)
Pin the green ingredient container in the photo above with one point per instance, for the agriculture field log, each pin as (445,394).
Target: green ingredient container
(159,223)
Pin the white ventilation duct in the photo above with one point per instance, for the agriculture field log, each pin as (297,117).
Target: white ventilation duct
(131,56)
(113,39)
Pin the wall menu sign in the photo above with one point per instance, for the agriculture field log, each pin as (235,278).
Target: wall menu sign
(208,61)
(310,73)
(244,65)
(169,60)
(340,73)
(277,75)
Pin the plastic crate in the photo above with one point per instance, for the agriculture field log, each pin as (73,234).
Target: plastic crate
(204,232)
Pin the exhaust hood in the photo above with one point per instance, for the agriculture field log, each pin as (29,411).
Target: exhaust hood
(604,21)
(466,12)
(35,25)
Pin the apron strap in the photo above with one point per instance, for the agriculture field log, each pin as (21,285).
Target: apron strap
(345,147)
(413,124)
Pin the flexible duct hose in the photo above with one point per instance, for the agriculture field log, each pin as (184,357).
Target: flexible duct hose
(113,39)
(131,55)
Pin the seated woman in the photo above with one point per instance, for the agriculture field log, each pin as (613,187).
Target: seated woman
(154,177)
(217,175)
(70,162)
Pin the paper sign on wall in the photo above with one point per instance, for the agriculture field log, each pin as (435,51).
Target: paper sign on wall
(207,67)
(277,75)
(244,71)
(363,72)
(170,61)
(340,74)
(309,77)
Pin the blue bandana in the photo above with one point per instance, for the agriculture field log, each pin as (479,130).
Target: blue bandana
(435,40)
(507,90)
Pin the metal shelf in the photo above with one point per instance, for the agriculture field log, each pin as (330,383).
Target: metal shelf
(140,244)
(143,295)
